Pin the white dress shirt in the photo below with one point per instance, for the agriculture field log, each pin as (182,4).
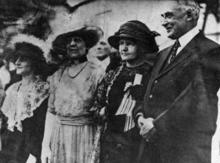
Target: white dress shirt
(186,38)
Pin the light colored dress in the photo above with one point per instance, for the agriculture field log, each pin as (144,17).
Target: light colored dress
(71,97)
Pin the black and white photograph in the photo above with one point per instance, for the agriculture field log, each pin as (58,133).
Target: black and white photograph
(109,81)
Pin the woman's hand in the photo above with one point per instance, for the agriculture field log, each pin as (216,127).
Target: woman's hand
(45,154)
(100,115)
(49,125)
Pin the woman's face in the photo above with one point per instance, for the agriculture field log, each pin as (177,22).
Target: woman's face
(127,49)
(23,66)
(76,47)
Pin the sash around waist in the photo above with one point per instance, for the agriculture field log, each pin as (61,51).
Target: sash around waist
(75,121)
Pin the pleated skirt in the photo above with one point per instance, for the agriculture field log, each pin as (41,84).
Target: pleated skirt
(72,143)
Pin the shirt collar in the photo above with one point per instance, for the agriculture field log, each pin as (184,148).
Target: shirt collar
(187,37)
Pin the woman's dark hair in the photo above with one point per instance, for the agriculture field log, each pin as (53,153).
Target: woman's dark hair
(34,54)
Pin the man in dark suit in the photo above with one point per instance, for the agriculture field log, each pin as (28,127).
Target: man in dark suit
(180,104)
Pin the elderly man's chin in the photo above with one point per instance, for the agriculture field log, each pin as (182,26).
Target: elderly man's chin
(171,35)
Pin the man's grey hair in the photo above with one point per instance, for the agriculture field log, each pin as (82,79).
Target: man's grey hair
(192,6)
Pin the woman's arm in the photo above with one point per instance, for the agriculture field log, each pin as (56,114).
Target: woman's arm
(49,125)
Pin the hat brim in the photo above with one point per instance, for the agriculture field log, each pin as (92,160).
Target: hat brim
(13,55)
(90,36)
(32,57)
(114,40)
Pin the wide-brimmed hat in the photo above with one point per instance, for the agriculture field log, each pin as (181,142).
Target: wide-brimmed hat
(34,54)
(31,48)
(90,35)
(28,46)
(134,30)
(28,50)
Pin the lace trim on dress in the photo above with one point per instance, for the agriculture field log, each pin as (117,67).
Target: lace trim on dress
(20,105)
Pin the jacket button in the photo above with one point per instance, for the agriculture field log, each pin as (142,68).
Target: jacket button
(156,81)
(151,96)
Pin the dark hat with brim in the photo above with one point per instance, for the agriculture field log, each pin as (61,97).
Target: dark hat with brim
(35,54)
(89,34)
(28,50)
(134,30)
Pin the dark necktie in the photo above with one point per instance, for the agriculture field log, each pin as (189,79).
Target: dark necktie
(173,51)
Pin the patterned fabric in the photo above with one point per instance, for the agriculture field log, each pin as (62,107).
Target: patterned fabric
(70,97)
(19,105)
(70,100)
(121,139)
(100,98)
(17,146)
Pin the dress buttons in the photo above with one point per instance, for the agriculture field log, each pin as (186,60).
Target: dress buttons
(151,96)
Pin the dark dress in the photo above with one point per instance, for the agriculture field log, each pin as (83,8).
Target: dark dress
(17,144)
(118,145)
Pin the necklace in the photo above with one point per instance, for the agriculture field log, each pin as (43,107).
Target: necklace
(73,75)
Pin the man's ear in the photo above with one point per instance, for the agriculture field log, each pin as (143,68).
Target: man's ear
(189,14)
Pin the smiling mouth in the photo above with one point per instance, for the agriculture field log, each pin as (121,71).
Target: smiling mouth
(169,28)
(73,49)
(124,54)
(19,68)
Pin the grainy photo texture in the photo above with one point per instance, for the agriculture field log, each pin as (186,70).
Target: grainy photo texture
(109,81)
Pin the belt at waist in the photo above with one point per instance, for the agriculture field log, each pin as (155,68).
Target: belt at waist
(75,121)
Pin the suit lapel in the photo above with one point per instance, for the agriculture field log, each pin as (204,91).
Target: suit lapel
(162,57)
(189,50)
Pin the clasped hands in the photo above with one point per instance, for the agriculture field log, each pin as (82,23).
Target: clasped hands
(100,115)
(146,126)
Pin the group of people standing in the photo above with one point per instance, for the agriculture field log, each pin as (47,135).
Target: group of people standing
(154,107)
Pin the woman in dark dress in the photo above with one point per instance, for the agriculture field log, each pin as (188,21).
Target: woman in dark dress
(121,88)
(25,106)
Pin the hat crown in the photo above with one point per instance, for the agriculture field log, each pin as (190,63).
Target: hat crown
(30,51)
(136,30)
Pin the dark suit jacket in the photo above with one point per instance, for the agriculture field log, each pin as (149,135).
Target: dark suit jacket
(187,87)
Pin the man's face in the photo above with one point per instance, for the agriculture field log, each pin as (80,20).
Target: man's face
(76,47)
(103,49)
(175,20)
